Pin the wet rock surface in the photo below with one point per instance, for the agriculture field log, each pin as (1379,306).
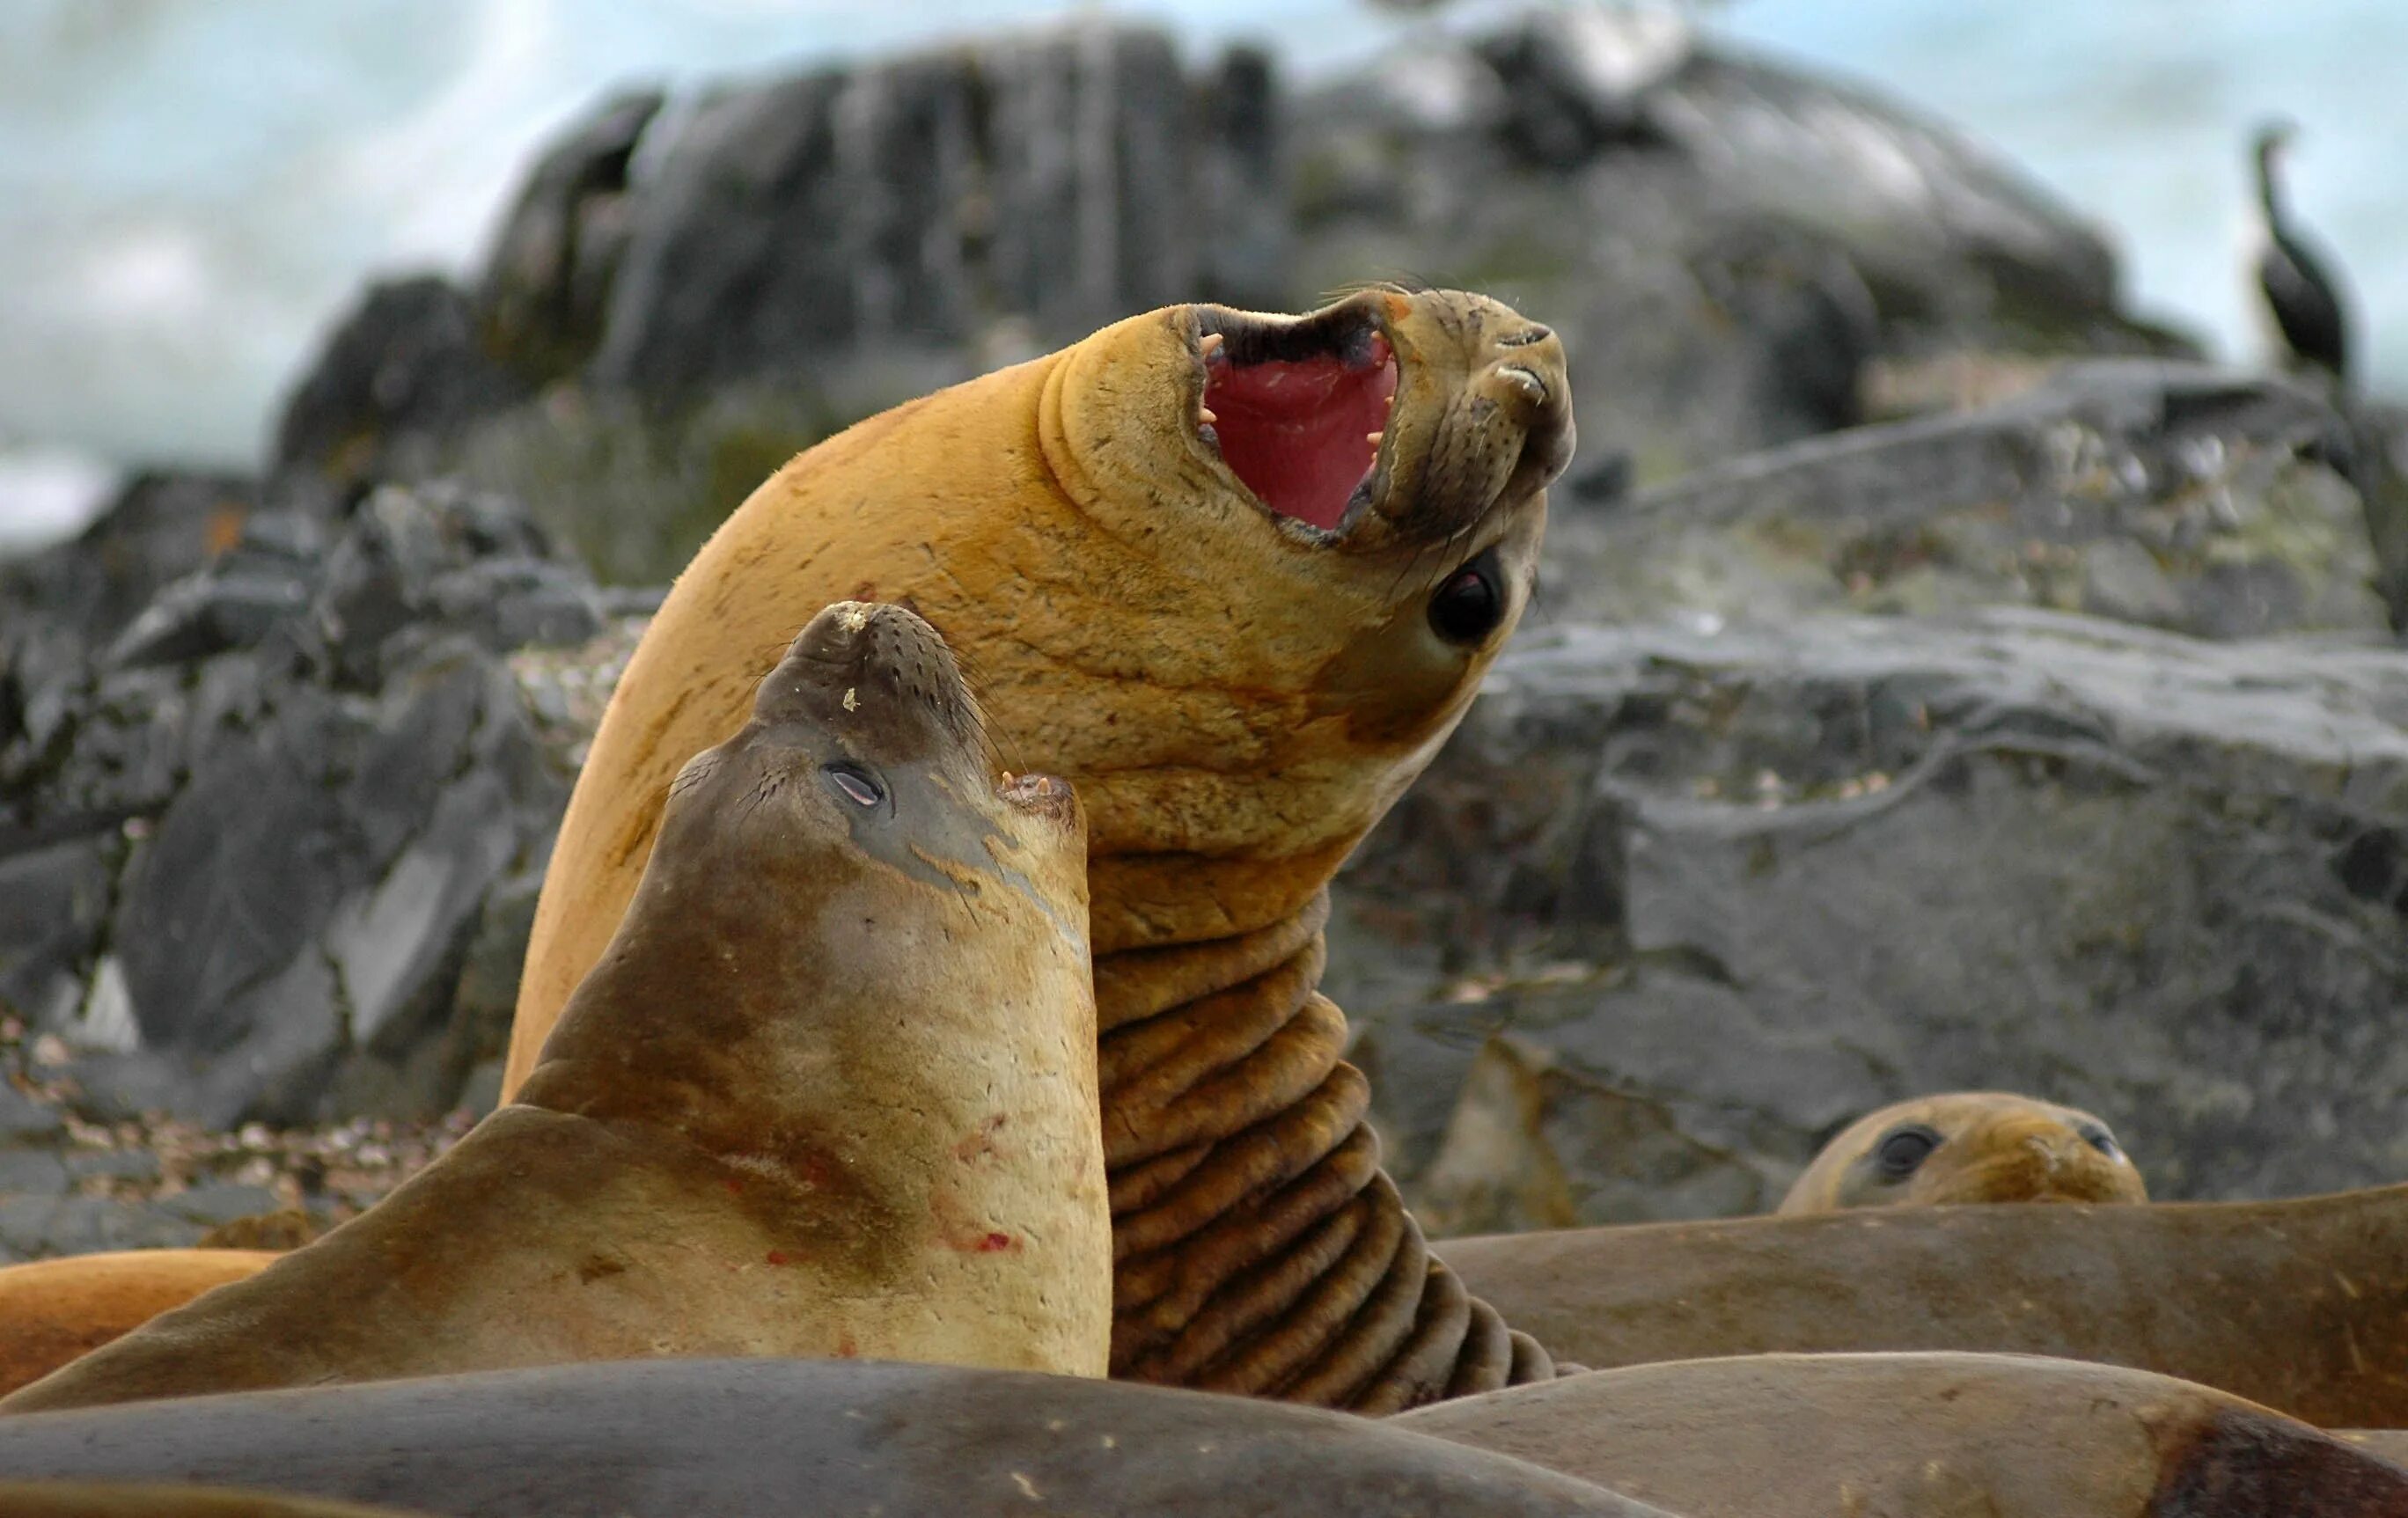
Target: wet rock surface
(1675,903)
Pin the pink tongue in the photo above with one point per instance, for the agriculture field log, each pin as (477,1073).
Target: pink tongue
(1298,433)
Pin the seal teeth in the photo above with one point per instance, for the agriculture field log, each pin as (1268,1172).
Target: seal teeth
(1210,345)
(1204,417)
(1373,437)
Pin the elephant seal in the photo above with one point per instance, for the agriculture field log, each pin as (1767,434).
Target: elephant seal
(53,1310)
(1967,1146)
(768,1438)
(145,1500)
(2299,1305)
(1236,577)
(829,1093)
(1922,1436)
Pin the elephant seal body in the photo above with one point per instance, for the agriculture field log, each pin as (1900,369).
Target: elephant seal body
(53,1310)
(2299,1304)
(1967,1146)
(830,1092)
(1236,577)
(771,1439)
(1922,1436)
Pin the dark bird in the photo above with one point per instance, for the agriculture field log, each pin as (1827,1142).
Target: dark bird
(2305,302)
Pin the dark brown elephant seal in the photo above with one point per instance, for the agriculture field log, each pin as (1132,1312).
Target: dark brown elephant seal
(2301,1305)
(777,1439)
(1923,1436)
(1967,1146)
(1236,577)
(143,1499)
(831,1091)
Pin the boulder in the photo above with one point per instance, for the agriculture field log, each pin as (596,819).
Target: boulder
(255,832)
(2167,493)
(1728,245)
(689,289)
(1676,904)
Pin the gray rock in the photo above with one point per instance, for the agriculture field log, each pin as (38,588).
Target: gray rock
(41,1227)
(219,1201)
(131,1164)
(22,1118)
(1728,248)
(1675,906)
(2170,493)
(404,372)
(270,860)
(53,904)
(32,1172)
(59,605)
(539,300)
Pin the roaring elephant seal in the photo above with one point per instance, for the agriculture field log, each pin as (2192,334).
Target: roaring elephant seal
(830,1092)
(1967,1146)
(1923,1436)
(773,1438)
(1236,577)
(2299,1304)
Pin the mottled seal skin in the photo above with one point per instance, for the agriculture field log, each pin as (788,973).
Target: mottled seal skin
(1922,1436)
(1191,582)
(2299,1304)
(830,1092)
(53,1310)
(1967,1146)
(772,1438)
(144,1499)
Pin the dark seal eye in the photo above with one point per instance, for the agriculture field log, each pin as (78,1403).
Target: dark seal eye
(1902,1150)
(2097,1138)
(1470,605)
(856,782)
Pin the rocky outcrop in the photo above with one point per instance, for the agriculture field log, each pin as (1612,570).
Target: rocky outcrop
(252,836)
(688,291)
(2167,493)
(1676,904)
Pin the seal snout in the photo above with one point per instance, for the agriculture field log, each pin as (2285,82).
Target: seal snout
(871,665)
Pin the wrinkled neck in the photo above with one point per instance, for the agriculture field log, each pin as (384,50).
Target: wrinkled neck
(1137,983)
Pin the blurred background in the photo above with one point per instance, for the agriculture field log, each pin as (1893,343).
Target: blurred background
(1966,655)
(191,189)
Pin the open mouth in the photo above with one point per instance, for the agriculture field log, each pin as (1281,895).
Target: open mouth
(1297,409)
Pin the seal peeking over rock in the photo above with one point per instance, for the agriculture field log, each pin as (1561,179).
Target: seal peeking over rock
(829,1091)
(1236,577)
(1967,1146)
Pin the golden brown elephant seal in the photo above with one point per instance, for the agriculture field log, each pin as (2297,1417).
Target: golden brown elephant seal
(53,1310)
(1236,577)
(1967,1146)
(1922,1436)
(2300,1305)
(830,1091)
